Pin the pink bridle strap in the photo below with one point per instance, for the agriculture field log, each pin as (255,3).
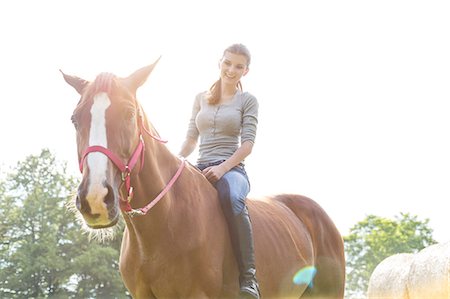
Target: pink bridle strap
(125,204)
(124,169)
(138,153)
(157,138)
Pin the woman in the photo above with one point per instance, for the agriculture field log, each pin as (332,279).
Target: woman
(226,119)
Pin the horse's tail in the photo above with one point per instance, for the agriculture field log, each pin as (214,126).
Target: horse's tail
(329,281)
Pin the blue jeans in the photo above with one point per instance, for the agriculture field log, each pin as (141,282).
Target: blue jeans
(233,187)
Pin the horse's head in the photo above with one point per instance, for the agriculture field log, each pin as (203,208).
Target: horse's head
(107,120)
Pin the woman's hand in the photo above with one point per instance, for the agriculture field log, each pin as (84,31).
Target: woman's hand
(214,173)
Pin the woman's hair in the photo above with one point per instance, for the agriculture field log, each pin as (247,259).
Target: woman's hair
(215,90)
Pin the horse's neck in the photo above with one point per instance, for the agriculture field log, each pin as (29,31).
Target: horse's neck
(159,167)
(157,227)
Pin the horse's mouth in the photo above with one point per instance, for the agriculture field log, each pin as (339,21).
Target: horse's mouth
(100,226)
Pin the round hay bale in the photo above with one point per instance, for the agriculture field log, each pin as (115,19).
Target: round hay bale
(388,280)
(429,275)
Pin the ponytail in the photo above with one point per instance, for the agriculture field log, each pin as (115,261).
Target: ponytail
(215,92)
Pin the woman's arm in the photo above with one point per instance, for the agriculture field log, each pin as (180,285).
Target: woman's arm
(188,147)
(192,134)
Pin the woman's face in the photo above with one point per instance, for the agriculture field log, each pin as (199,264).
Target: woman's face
(232,68)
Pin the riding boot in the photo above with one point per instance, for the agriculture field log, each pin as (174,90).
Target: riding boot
(244,252)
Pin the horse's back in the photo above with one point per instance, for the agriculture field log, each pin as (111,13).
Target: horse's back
(315,229)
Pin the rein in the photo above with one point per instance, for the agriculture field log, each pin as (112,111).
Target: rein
(127,168)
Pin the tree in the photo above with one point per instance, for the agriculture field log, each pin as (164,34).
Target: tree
(42,248)
(95,267)
(374,239)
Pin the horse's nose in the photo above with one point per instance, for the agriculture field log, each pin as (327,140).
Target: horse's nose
(109,197)
(83,205)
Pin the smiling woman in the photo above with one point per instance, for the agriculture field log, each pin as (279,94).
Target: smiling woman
(225,120)
(175,226)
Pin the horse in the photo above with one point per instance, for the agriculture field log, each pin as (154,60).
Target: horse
(425,274)
(176,242)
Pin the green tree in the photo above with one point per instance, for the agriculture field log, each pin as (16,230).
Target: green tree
(43,251)
(95,267)
(374,239)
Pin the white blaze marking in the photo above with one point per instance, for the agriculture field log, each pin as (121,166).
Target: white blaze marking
(97,161)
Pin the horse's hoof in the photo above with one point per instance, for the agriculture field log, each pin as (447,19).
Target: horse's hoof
(249,292)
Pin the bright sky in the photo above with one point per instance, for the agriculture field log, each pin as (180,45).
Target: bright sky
(353,94)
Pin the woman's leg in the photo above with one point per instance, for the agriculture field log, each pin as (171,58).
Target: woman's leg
(233,188)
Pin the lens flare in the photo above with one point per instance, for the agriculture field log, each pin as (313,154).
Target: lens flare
(305,276)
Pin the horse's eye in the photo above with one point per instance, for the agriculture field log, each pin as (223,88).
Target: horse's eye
(74,121)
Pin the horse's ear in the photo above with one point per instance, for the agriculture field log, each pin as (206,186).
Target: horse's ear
(77,83)
(135,80)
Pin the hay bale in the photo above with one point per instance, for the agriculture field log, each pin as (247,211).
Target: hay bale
(429,274)
(388,280)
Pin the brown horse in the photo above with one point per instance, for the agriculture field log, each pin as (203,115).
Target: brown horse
(176,242)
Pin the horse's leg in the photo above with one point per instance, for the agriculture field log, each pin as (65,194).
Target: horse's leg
(328,246)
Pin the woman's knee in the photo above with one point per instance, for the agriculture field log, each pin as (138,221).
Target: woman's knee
(231,196)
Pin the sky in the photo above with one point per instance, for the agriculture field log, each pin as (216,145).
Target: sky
(353,94)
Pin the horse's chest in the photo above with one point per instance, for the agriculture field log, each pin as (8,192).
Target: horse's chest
(144,278)
(163,276)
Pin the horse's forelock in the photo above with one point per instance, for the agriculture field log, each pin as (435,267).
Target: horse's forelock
(103,82)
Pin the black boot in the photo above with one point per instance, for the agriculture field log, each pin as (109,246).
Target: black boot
(244,252)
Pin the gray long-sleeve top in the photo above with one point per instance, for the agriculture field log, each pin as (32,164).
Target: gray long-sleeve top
(223,127)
